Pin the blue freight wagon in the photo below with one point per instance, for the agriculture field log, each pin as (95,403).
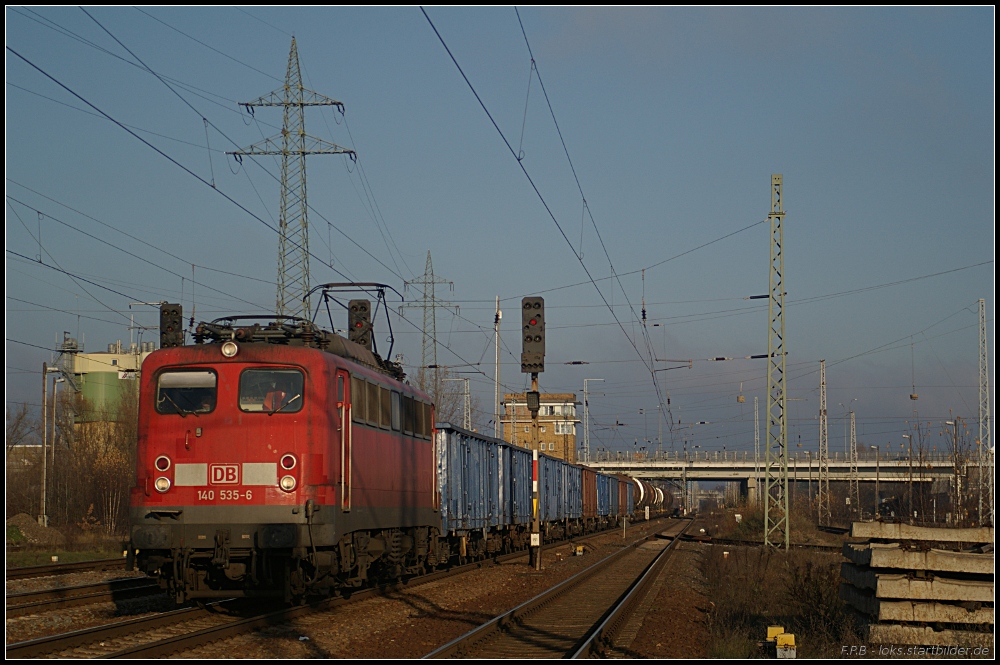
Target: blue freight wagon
(485,490)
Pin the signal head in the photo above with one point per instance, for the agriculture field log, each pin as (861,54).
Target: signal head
(359,325)
(533,337)
(171,325)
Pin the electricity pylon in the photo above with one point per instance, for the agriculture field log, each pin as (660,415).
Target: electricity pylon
(776,449)
(293,145)
(429,304)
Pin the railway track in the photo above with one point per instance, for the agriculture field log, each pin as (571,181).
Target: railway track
(30,602)
(24,572)
(579,617)
(177,631)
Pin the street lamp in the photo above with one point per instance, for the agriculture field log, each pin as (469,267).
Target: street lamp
(875,448)
(956,462)
(847,409)
(809,458)
(55,386)
(586,420)
(909,491)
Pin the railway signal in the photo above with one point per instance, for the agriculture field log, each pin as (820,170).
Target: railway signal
(171,325)
(360,322)
(532,335)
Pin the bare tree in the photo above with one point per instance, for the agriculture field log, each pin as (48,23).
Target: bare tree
(22,429)
(23,468)
(960,446)
(449,400)
(97,468)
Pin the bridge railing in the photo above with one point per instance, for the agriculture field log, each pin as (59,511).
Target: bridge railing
(798,458)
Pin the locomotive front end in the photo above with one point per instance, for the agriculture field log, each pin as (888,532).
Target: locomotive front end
(227,478)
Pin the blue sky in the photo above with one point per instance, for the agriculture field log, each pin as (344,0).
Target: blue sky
(881,122)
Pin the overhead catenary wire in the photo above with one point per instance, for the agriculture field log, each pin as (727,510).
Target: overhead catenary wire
(211,184)
(200,92)
(528,176)
(125,251)
(587,209)
(174,161)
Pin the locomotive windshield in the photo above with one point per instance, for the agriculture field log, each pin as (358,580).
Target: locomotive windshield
(271,390)
(186,391)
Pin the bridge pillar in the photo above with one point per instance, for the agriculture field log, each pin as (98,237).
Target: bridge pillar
(748,488)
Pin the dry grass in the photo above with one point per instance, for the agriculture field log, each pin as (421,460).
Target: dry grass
(752,588)
(802,529)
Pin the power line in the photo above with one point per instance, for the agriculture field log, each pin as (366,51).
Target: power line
(66,272)
(211,48)
(530,181)
(240,9)
(200,92)
(54,309)
(125,251)
(39,262)
(645,332)
(163,80)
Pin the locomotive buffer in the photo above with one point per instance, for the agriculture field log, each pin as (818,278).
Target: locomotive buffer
(533,362)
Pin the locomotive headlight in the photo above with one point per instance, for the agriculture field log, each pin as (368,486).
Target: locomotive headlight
(162,484)
(162,463)
(229,349)
(287,483)
(288,462)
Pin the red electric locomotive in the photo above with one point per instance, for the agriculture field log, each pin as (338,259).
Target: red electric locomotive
(280,460)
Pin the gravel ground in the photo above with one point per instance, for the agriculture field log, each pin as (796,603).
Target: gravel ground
(31,626)
(675,625)
(413,622)
(404,624)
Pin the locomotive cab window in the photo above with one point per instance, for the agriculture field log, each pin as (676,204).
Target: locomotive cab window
(186,391)
(272,390)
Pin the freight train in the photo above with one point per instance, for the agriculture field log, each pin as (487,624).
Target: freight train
(282,460)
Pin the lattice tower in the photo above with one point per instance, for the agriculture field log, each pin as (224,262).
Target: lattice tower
(292,146)
(824,508)
(427,284)
(985,437)
(776,525)
(855,484)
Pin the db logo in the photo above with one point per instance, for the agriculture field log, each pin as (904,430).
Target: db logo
(225,474)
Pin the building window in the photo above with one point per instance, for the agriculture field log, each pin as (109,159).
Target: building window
(542,430)
(114,361)
(565,428)
(525,428)
(552,446)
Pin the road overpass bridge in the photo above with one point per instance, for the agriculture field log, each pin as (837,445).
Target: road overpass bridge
(741,466)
